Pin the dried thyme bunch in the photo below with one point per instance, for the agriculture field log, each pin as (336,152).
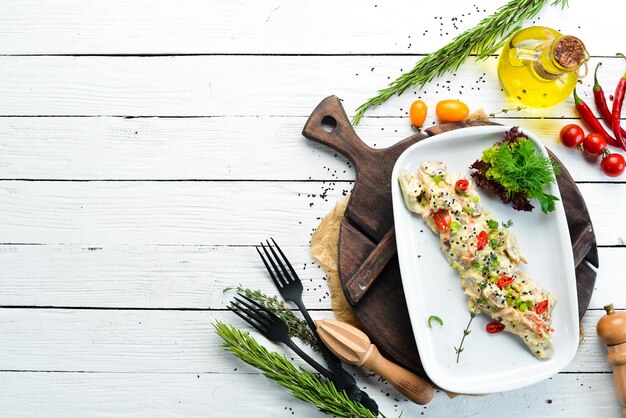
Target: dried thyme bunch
(297,327)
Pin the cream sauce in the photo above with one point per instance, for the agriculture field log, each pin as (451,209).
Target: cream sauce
(485,266)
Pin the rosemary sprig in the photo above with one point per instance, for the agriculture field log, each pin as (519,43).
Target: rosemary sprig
(302,384)
(484,39)
(297,327)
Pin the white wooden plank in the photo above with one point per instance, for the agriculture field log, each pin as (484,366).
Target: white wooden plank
(161,341)
(242,396)
(221,148)
(223,85)
(194,26)
(190,277)
(209,213)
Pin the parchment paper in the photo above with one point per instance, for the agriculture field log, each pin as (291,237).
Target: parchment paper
(325,252)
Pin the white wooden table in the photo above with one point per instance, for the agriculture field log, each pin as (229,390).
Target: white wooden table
(146,146)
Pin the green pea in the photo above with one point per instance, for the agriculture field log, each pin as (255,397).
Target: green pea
(522,307)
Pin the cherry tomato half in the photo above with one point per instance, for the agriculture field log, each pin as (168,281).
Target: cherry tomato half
(418,113)
(451,111)
(494,327)
(441,220)
(461,185)
(572,135)
(594,144)
(482,240)
(613,165)
(541,307)
(504,281)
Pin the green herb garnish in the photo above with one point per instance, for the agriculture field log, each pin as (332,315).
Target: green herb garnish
(434,318)
(507,224)
(458,350)
(517,171)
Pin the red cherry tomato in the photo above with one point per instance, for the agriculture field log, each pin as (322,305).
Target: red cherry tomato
(613,165)
(572,135)
(594,144)
(461,185)
(442,221)
(541,307)
(494,327)
(482,240)
(418,113)
(504,281)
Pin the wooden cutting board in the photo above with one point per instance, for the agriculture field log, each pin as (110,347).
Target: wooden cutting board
(368,266)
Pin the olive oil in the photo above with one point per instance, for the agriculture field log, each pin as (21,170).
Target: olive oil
(539,67)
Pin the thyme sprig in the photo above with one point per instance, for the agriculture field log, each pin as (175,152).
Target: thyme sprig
(484,39)
(303,385)
(297,327)
(466,332)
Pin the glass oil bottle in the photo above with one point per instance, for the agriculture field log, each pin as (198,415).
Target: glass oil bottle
(539,67)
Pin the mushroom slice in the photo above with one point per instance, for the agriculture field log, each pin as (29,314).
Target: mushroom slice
(512,249)
(435,168)
(411,190)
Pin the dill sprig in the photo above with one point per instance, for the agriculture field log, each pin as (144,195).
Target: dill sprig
(484,39)
(297,327)
(303,385)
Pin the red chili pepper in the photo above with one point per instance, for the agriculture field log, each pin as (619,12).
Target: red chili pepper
(617,109)
(600,101)
(461,185)
(504,281)
(494,327)
(482,240)
(441,220)
(541,307)
(591,121)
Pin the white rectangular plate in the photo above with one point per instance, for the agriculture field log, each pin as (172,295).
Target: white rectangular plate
(488,363)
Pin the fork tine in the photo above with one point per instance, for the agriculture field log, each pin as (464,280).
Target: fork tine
(254,313)
(237,311)
(285,259)
(285,280)
(269,313)
(277,282)
(286,274)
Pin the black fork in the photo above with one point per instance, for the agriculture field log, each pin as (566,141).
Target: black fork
(285,278)
(272,327)
(290,288)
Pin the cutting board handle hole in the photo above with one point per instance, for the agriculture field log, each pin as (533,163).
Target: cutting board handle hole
(329,123)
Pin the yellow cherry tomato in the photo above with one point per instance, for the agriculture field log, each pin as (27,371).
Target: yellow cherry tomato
(451,111)
(418,113)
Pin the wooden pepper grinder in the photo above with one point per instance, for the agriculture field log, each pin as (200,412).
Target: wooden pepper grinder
(612,330)
(354,347)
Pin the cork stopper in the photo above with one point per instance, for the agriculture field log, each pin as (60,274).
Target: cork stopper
(570,52)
